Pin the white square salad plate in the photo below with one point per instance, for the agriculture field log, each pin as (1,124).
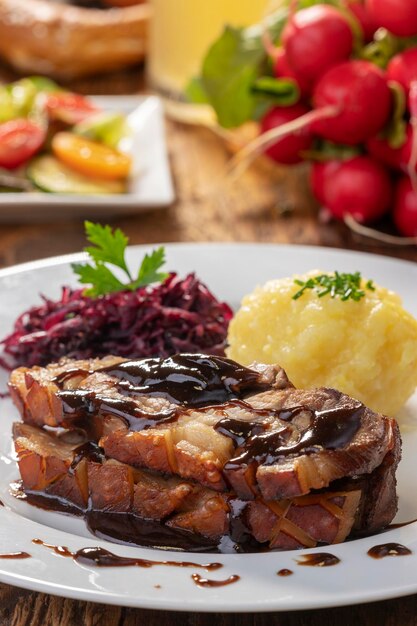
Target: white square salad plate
(150,185)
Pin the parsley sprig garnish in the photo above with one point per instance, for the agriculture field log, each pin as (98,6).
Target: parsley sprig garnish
(343,286)
(109,248)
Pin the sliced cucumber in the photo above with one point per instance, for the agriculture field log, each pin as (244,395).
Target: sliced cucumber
(52,176)
(105,127)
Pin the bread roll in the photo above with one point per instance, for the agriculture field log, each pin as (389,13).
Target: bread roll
(40,36)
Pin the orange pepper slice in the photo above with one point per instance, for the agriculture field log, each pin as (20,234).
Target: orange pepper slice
(90,158)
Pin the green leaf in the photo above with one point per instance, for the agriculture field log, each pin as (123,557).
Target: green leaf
(396,131)
(278,91)
(109,246)
(148,271)
(100,277)
(43,84)
(229,70)
(381,49)
(328,151)
(195,92)
(231,66)
(7,108)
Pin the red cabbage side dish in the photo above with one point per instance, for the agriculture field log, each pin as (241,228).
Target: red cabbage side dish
(177,315)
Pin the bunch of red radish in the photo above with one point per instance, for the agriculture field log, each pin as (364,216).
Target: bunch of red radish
(350,101)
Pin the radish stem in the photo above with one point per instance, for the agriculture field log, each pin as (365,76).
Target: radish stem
(241,161)
(271,50)
(292,8)
(371,233)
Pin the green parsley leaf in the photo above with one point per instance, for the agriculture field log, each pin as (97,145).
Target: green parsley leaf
(109,246)
(148,271)
(100,277)
(343,286)
(109,249)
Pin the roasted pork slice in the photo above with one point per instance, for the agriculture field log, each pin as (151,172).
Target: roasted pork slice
(35,391)
(46,465)
(114,400)
(329,436)
(81,476)
(213,421)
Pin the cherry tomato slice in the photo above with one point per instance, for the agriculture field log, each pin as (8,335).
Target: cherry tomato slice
(20,139)
(90,158)
(69,107)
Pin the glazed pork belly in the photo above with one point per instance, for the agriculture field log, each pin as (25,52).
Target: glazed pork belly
(81,476)
(210,420)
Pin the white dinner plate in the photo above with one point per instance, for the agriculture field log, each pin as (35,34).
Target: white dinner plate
(150,185)
(230,270)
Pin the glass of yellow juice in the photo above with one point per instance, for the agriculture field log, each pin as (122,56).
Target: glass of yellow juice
(182,31)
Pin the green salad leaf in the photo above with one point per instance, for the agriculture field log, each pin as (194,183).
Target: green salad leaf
(230,69)
(109,248)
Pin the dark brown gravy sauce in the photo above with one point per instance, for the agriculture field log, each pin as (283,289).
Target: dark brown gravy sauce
(319,559)
(330,429)
(128,529)
(388,549)
(189,380)
(99,557)
(186,381)
(400,524)
(202,381)
(16,555)
(285,572)
(205,582)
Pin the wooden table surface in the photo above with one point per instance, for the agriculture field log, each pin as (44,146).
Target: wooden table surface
(265,205)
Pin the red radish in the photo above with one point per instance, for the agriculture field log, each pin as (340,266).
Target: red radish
(364,18)
(315,39)
(287,150)
(396,158)
(20,139)
(353,103)
(360,90)
(282,69)
(403,68)
(412,162)
(405,208)
(319,171)
(397,16)
(359,187)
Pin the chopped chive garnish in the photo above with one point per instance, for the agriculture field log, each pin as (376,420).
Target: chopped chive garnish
(343,286)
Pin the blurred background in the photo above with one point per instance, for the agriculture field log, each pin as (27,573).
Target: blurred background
(228,72)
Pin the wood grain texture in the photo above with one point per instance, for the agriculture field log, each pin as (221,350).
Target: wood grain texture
(265,205)
(22,608)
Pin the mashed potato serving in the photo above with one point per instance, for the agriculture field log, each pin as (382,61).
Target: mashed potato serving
(366,348)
